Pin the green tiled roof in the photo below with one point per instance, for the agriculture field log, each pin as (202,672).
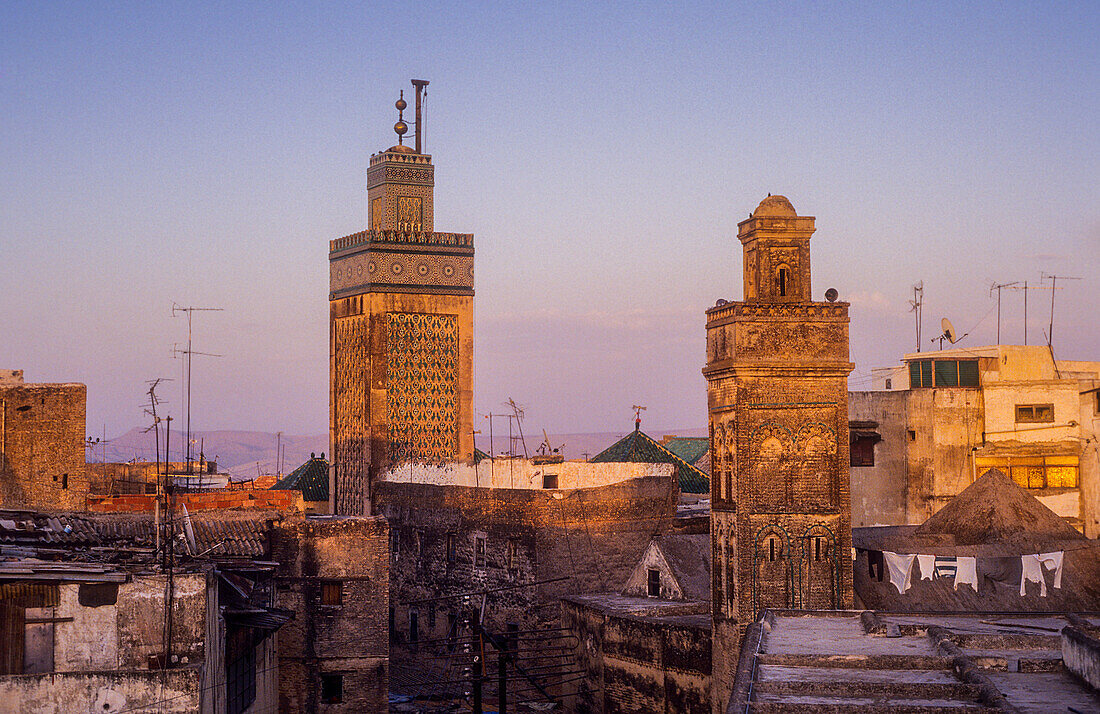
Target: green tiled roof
(639,447)
(311,478)
(688,448)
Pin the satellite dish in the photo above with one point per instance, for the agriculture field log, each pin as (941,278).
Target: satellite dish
(721,302)
(949,333)
(831,294)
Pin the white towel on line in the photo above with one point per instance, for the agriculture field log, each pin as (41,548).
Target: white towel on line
(967,572)
(1053,561)
(901,568)
(927,565)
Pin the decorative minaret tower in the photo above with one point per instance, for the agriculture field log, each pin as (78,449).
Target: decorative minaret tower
(400,329)
(777,368)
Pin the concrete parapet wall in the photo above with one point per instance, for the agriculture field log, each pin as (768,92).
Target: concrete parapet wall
(1081,655)
(519,473)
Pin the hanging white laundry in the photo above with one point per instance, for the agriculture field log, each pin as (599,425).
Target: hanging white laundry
(1033,571)
(967,572)
(927,565)
(901,568)
(1053,561)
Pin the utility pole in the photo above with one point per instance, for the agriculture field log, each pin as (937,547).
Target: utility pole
(190,310)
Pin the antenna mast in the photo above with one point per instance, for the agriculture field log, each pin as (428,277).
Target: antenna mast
(421,93)
(915,307)
(189,310)
(1053,287)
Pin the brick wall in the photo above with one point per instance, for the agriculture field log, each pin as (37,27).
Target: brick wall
(289,501)
(594,537)
(638,664)
(42,446)
(349,639)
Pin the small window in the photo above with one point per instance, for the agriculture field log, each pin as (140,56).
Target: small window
(782,281)
(332,593)
(97,594)
(513,554)
(1034,413)
(332,688)
(479,552)
(912,434)
(820,548)
(654,582)
(395,543)
(511,640)
(451,548)
(889,383)
(862,451)
(774,549)
(549,480)
(64,480)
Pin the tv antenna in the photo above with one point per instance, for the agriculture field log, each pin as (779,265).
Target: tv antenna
(1053,287)
(998,287)
(915,307)
(189,352)
(1025,287)
(517,414)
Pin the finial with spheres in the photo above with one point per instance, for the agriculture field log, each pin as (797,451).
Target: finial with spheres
(400,127)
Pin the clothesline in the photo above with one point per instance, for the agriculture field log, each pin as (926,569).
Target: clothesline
(962,568)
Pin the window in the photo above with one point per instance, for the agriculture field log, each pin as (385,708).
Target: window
(513,554)
(862,449)
(479,552)
(64,480)
(451,548)
(782,281)
(409,213)
(944,373)
(549,480)
(774,549)
(820,548)
(395,543)
(1034,413)
(654,583)
(332,688)
(889,383)
(240,669)
(511,640)
(332,593)
(912,434)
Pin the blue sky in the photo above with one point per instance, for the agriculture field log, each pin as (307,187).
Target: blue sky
(601,154)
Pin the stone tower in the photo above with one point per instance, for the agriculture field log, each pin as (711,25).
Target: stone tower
(777,368)
(400,331)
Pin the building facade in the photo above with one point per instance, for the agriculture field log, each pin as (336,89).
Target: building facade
(401,332)
(777,367)
(42,444)
(943,419)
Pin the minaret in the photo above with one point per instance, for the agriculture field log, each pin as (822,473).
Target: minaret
(401,329)
(777,368)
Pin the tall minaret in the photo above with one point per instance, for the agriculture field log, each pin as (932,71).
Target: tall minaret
(400,329)
(777,368)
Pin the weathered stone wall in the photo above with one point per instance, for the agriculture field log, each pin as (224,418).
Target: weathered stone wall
(879,492)
(590,539)
(524,473)
(1081,655)
(172,691)
(42,430)
(348,639)
(638,664)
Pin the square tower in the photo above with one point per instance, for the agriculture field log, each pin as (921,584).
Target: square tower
(401,332)
(777,393)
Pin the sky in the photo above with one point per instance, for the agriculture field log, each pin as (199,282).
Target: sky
(160,154)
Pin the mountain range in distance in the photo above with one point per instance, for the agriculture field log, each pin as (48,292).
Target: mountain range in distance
(246,454)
